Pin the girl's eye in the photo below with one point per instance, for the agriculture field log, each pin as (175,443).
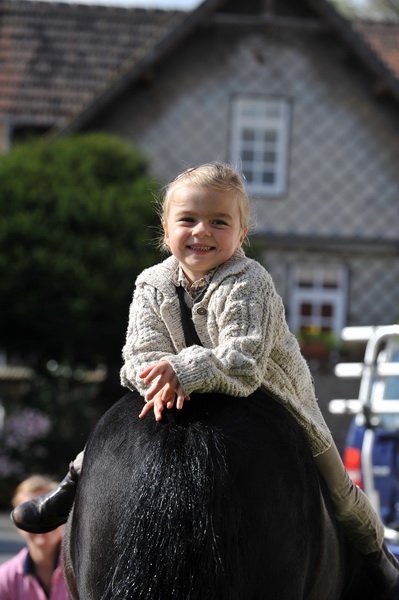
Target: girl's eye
(187,220)
(219,222)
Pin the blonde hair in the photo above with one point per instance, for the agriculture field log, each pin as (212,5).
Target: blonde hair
(33,485)
(217,176)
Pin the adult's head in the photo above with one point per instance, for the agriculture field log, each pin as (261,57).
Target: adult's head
(40,543)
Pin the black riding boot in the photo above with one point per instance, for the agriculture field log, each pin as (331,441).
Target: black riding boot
(383,569)
(47,512)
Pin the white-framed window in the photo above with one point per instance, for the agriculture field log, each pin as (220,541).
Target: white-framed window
(318,296)
(260,141)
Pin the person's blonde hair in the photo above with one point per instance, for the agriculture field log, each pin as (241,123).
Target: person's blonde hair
(217,176)
(33,485)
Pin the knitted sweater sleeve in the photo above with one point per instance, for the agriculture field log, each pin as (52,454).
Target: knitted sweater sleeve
(245,317)
(148,339)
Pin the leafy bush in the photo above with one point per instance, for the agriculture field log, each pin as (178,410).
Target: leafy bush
(75,231)
(76,228)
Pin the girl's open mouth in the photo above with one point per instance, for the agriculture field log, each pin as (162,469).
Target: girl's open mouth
(197,248)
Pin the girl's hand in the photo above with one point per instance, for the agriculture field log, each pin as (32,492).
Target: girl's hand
(165,391)
(161,400)
(163,374)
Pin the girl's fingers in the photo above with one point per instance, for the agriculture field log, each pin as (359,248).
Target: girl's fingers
(179,397)
(145,372)
(146,408)
(168,386)
(154,389)
(167,396)
(151,372)
(162,369)
(158,408)
(151,394)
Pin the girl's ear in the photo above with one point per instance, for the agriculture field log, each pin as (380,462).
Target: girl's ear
(166,236)
(243,234)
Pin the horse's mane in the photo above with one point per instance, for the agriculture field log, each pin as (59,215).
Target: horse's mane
(176,507)
(169,521)
(192,507)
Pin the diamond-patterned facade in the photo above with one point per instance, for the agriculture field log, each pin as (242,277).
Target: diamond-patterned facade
(342,197)
(344,150)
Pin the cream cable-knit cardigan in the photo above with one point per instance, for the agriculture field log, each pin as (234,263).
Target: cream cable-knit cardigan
(246,341)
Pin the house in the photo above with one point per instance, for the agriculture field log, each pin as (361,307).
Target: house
(302,99)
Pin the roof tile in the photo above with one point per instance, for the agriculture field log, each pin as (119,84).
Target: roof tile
(383,39)
(54,57)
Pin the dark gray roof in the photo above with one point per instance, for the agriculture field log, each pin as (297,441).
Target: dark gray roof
(61,63)
(374,42)
(55,58)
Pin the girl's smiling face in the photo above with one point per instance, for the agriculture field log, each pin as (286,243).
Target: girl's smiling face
(202,228)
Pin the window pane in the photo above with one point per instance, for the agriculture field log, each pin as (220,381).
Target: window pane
(261,109)
(268,177)
(270,136)
(330,277)
(306,310)
(248,135)
(248,109)
(274,109)
(304,276)
(326,310)
(247,155)
(269,157)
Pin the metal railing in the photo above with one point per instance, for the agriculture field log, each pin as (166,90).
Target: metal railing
(368,403)
(367,371)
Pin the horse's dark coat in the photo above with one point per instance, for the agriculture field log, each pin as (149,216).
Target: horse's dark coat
(218,501)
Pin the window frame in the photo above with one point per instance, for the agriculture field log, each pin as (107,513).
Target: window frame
(317,295)
(261,122)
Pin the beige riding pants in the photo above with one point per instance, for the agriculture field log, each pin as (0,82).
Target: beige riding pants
(352,507)
(77,463)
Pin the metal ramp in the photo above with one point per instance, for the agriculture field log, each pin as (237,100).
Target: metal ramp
(376,367)
(372,367)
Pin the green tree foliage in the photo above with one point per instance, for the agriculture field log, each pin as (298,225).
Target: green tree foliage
(76,228)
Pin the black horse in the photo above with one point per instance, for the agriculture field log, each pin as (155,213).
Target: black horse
(218,501)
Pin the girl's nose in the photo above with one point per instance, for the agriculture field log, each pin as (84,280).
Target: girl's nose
(201,229)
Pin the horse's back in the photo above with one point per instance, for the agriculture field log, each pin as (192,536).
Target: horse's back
(217,501)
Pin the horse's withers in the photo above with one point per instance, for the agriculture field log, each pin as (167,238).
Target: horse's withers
(218,501)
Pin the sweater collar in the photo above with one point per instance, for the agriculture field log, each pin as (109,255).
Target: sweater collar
(161,276)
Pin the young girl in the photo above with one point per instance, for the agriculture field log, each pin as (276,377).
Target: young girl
(243,343)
